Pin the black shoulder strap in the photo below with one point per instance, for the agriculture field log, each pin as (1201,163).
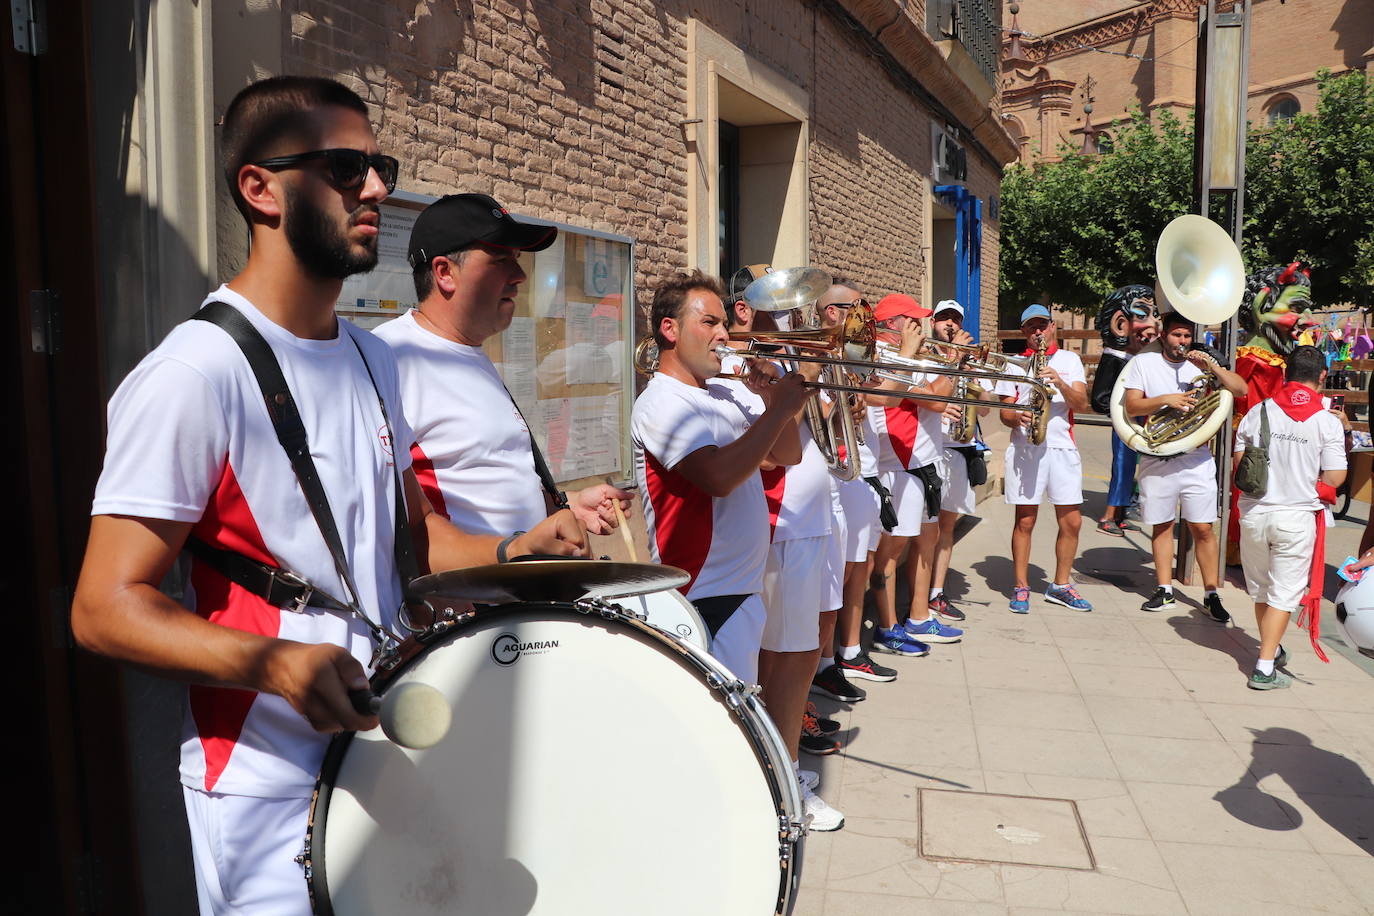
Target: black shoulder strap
(541,467)
(286,420)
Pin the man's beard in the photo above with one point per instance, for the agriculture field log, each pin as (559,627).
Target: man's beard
(317,242)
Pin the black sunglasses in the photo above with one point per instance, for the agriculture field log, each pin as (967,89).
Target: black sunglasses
(347,167)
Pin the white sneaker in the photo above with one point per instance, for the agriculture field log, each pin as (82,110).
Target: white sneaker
(809,779)
(823,818)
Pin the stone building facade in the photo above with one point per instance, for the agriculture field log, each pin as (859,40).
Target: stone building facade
(607,115)
(1143,55)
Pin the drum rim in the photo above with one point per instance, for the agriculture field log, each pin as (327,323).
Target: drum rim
(733,695)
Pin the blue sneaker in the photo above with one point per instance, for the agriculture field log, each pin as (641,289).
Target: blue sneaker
(1020,601)
(896,642)
(1068,596)
(932,630)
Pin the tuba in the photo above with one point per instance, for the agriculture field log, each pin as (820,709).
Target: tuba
(1201,276)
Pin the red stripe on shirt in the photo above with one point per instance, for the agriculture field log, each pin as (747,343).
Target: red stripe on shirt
(683,517)
(774,483)
(429,480)
(219,712)
(903,427)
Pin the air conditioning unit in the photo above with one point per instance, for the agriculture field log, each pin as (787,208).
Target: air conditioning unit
(949,162)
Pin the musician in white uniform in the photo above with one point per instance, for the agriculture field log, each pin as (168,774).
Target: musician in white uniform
(1053,468)
(1183,486)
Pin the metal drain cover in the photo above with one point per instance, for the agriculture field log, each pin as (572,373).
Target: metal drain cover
(1007,829)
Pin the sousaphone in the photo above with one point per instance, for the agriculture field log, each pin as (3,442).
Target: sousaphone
(1201,276)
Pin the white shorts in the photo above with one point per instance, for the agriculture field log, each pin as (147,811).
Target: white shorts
(244,851)
(736,643)
(1033,470)
(861,510)
(794,584)
(1276,551)
(957,494)
(832,595)
(909,500)
(1163,490)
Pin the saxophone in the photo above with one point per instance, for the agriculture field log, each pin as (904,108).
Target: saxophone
(1040,394)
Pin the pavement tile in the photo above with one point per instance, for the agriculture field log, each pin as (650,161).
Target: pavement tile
(1239,724)
(1125,681)
(1228,686)
(1333,824)
(1244,881)
(1047,675)
(1084,626)
(1105,805)
(1102,651)
(1357,872)
(1130,878)
(1310,768)
(861,904)
(1159,718)
(1219,815)
(1029,708)
(1055,752)
(936,739)
(1182,761)
(1328,694)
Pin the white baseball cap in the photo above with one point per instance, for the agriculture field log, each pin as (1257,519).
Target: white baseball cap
(948,305)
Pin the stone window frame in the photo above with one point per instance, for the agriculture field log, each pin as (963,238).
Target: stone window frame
(1272,114)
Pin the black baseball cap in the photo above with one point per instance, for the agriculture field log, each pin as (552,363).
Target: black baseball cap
(460,220)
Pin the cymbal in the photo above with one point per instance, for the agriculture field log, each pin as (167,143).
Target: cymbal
(783,290)
(560,579)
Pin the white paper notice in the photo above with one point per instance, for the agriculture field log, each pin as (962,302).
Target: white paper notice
(581,435)
(592,342)
(517,362)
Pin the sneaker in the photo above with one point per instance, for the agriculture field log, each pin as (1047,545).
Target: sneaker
(897,641)
(865,669)
(826,726)
(808,779)
(1269,681)
(932,630)
(940,605)
(1161,600)
(816,745)
(823,818)
(832,683)
(1281,659)
(1213,605)
(1125,526)
(1111,527)
(1068,596)
(1020,600)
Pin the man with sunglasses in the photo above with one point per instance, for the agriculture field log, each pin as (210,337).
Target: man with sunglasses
(473,453)
(277,624)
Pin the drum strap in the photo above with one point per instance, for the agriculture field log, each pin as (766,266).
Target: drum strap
(715,611)
(541,467)
(286,420)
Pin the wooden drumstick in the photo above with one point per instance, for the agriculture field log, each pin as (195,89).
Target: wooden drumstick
(625,530)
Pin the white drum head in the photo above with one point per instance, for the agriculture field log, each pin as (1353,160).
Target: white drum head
(671,613)
(589,769)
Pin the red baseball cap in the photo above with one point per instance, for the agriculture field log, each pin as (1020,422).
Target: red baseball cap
(894,304)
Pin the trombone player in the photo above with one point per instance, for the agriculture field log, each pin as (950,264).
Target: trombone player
(1183,486)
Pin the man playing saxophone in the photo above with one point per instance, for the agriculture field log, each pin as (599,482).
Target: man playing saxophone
(1050,466)
(1174,379)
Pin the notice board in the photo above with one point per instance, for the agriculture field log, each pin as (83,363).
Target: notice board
(566,355)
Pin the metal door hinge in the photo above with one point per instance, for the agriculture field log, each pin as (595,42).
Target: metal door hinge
(29,21)
(45,320)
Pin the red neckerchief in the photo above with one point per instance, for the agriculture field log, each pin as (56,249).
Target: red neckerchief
(1049,351)
(1298,401)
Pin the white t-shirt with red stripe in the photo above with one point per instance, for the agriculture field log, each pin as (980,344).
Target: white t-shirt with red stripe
(472,452)
(1059,432)
(190,440)
(907,436)
(721,542)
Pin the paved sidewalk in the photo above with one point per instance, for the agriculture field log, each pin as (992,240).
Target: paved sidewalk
(1194,794)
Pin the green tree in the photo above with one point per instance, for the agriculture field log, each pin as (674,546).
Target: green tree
(1074,230)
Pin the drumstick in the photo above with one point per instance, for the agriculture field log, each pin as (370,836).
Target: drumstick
(625,530)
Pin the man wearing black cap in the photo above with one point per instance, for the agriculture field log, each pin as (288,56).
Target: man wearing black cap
(473,453)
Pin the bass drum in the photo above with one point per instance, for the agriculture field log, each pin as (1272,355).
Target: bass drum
(671,613)
(594,765)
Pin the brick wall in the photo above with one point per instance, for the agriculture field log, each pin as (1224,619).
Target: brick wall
(571,110)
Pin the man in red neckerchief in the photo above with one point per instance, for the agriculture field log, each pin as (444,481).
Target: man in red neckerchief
(1282,531)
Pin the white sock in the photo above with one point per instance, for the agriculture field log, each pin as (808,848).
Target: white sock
(1208,593)
(849,652)
(935,593)
(1265,666)
(1168,589)
(825,663)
